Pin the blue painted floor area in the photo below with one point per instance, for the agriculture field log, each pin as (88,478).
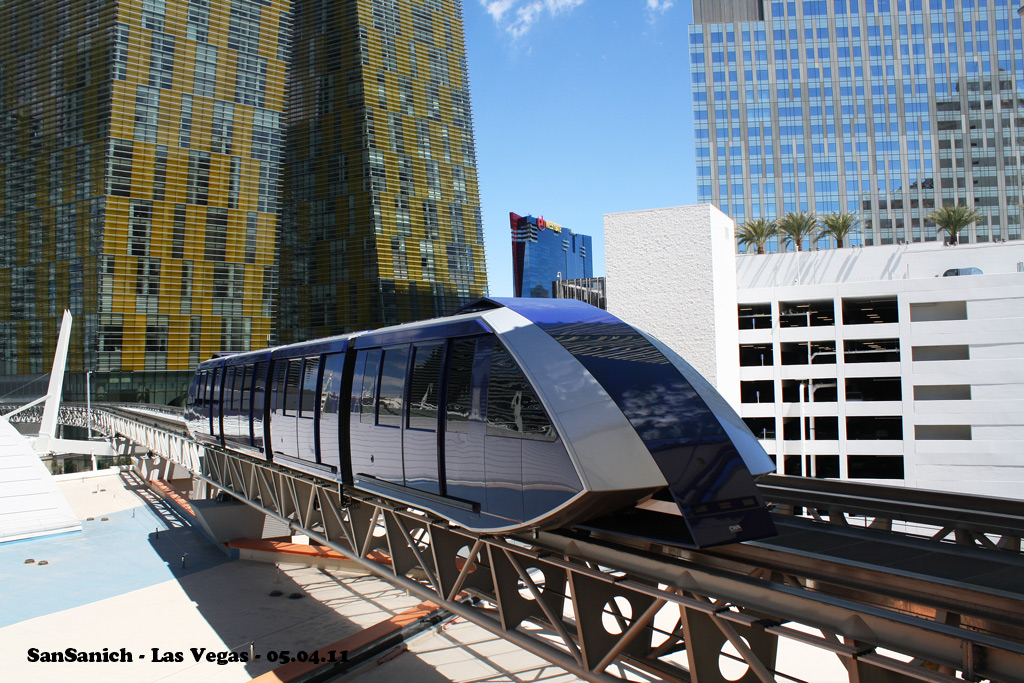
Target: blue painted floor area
(106,559)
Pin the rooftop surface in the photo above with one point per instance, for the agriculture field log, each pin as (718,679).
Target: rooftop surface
(873,264)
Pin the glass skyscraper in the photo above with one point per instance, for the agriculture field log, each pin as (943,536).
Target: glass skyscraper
(885,108)
(544,252)
(381,212)
(144,145)
(139,154)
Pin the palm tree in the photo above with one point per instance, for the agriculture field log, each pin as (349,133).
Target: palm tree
(953,220)
(798,226)
(839,226)
(756,232)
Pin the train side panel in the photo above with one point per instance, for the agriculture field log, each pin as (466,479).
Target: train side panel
(303,405)
(446,420)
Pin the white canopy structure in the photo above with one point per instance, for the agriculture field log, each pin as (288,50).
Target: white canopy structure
(31,504)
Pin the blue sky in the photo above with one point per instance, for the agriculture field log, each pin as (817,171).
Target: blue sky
(581,108)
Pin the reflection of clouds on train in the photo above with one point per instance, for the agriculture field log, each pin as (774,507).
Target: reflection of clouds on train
(514,415)
(667,411)
(612,341)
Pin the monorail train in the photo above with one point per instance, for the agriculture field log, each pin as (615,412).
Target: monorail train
(513,414)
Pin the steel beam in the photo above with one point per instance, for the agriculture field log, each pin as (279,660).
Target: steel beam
(715,604)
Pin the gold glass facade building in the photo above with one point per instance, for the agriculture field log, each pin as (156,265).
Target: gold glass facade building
(380,209)
(140,149)
(143,155)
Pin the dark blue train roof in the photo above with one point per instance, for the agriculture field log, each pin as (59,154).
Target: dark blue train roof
(545,311)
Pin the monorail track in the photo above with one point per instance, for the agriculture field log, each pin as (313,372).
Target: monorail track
(609,602)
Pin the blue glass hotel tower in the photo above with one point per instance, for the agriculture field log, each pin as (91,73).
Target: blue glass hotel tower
(543,252)
(886,108)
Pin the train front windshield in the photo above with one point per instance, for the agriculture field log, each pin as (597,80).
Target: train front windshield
(662,406)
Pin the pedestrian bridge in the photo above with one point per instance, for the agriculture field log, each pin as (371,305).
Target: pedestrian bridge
(899,584)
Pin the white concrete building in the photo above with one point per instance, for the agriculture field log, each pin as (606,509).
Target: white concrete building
(903,370)
(671,272)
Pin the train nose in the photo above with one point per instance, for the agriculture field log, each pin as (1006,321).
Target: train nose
(714,493)
(711,499)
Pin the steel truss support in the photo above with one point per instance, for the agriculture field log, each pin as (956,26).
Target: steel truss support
(558,596)
(598,610)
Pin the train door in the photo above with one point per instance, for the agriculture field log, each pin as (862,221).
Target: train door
(215,402)
(244,405)
(387,449)
(465,399)
(362,413)
(329,423)
(305,422)
(227,412)
(419,452)
(285,389)
(259,399)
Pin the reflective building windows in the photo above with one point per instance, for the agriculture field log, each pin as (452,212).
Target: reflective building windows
(543,253)
(885,109)
(378,92)
(121,168)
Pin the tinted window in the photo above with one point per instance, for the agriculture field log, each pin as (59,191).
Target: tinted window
(423,385)
(330,392)
(512,406)
(330,405)
(215,387)
(658,401)
(460,385)
(369,391)
(236,389)
(218,375)
(291,396)
(309,375)
(246,388)
(278,372)
(230,391)
(392,387)
(258,398)
(200,390)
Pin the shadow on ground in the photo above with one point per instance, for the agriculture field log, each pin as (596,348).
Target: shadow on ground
(266,610)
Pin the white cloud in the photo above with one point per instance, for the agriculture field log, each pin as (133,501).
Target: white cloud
(655,7)
(523,14)
(497,8)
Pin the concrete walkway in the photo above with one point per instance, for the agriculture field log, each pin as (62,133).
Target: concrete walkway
(120,583)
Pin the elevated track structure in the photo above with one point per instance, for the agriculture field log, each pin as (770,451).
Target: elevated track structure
(899,584)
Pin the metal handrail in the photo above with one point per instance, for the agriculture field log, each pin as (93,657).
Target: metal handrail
(960,511)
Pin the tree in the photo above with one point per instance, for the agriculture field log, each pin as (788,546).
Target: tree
(756,232)
(839,226)
(798,226)
(952,220)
